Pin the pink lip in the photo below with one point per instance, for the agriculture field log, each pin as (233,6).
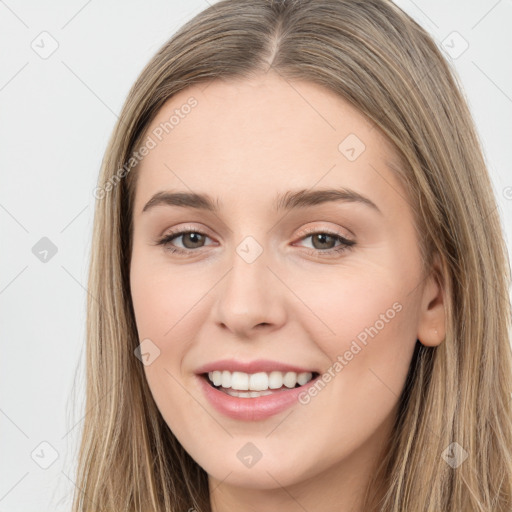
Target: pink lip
(252,409)
(259,365)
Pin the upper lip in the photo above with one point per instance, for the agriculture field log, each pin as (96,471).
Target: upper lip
(256,366)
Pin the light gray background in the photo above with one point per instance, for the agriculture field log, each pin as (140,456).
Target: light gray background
(56,115)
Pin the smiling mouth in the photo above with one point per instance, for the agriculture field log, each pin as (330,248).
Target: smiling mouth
(243,385)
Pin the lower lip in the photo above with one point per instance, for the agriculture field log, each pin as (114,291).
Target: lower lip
(252,409)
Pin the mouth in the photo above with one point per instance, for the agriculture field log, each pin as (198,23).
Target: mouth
(246,385)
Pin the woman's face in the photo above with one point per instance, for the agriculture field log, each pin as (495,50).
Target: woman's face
(262,285)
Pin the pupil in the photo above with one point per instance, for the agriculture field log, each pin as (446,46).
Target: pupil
(194,235)
(322,237)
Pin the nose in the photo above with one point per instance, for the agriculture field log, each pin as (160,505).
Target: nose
(250,298)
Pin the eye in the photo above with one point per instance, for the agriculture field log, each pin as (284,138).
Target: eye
(321,238)
(193,239)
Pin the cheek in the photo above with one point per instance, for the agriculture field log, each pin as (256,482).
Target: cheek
(360,305)
(162,296)
(166,307)
(367,332)
(156,306)
(365,322)
(163,306)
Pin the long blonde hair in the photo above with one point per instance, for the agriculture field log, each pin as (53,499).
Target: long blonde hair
(380,60)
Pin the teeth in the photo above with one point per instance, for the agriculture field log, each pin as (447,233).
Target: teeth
(261,381)
(247,394)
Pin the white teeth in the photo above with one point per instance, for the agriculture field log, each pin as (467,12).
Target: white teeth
(257,382)
(240,381)
(290,379)
(216,377)
(303,378)
(247,394)
(226,380)
(261,381)
(275,380)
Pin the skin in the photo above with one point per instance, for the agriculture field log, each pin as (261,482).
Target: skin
(245,142)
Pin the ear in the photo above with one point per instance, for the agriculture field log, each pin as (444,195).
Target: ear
(432,316)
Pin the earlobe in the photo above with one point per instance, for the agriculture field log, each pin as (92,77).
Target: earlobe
(432,318)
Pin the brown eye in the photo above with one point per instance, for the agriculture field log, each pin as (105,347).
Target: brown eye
(191,239)
(324,243)
(320,240)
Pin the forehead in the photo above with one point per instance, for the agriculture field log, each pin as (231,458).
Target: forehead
(235,138)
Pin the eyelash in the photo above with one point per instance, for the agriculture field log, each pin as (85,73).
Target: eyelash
(345,243)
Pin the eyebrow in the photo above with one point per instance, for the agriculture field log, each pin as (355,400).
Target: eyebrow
(293,199)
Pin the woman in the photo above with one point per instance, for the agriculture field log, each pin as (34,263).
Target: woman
(233,367)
